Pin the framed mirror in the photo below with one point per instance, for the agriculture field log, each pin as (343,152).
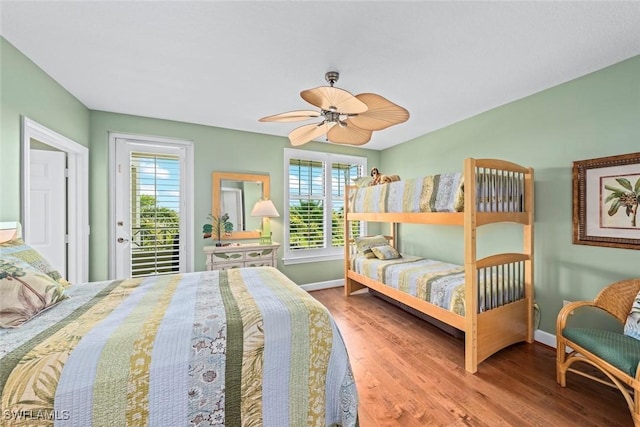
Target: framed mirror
(236,194)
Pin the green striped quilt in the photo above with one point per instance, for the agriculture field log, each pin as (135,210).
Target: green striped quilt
(434,193)
(437,282)
(241,347)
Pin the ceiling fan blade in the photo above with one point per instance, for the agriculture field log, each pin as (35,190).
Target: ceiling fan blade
(349,134)
(306,133)
(331,98)
(381,113)
(291,116)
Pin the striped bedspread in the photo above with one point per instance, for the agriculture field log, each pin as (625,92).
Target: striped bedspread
(236,347)
(435,193)
(437,282)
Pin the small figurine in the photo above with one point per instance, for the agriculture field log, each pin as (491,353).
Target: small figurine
(379,178)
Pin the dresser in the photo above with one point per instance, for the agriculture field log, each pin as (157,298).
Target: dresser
(243,255)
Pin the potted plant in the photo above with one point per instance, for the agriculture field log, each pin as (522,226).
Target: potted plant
(218,227)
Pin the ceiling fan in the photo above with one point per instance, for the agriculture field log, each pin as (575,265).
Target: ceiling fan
(346,119)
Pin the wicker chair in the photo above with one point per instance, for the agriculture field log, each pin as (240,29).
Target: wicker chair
(615,354)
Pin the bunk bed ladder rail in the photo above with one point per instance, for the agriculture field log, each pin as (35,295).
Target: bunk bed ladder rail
(500,283)
(499,190)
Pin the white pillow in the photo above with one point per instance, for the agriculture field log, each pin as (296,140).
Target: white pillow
(632,326)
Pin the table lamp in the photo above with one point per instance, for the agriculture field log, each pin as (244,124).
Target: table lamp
(266,210)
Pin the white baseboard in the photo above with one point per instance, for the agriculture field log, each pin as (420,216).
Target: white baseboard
(541,336)
(323,285)
(545,338)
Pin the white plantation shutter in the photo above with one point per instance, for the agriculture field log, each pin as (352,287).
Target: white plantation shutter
(315,196)
(307,191)
(342,174)
(155,214)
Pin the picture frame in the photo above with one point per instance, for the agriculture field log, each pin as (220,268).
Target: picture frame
(606,196)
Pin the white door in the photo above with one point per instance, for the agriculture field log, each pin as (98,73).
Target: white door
(47,216)
(150,202)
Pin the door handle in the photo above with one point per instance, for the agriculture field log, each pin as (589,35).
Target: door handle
(122,240)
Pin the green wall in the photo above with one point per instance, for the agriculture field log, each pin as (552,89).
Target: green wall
(26,90)
(216,149)
(594,116)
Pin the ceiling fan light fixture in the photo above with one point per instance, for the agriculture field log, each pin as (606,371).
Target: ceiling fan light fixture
(364,113)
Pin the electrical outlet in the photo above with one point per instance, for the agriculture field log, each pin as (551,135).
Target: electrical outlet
(565,302)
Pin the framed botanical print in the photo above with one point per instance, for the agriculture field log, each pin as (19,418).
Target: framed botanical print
(606,195)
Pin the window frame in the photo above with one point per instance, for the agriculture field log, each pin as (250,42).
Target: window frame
(328,253)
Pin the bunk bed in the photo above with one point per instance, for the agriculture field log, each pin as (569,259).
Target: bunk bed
(493,301)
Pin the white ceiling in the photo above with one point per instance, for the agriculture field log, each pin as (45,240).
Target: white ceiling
(229,63)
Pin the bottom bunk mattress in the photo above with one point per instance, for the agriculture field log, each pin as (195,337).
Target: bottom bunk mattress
(236,347)
(442,283)
(437,282)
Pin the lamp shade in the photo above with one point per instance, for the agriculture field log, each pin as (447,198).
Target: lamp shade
(264,208)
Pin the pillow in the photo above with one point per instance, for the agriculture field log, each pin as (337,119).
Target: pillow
(364,244)
(385,252)
(25,291)
(19,249)
(632,326)
(363,181)
(7,234)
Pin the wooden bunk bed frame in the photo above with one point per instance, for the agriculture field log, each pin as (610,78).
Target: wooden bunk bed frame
(488,330)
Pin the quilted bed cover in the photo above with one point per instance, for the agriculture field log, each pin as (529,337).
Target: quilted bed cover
(236,347)
(437,282)
(434,193)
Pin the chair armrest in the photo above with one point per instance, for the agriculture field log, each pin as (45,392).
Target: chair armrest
(564,313)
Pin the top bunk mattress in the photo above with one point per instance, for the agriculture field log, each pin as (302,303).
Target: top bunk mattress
(433,193)
(495,191)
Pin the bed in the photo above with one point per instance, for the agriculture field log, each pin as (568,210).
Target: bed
(489,299)
(233,347)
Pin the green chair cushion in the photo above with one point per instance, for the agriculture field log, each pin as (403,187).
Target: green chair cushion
(620,350)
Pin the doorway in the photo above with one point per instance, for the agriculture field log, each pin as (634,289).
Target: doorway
(151,205)
(39,227)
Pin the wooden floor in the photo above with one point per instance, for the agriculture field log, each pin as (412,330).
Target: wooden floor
(410,373)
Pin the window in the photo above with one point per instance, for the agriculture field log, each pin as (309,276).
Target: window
(314,222)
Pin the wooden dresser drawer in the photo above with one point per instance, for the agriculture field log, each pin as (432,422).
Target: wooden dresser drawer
(259,254)
(236,256)
(227,265)
(243,255)
(258,263)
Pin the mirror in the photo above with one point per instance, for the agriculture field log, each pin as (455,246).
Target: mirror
(235,194)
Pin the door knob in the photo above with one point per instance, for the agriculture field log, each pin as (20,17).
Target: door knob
(122,240)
